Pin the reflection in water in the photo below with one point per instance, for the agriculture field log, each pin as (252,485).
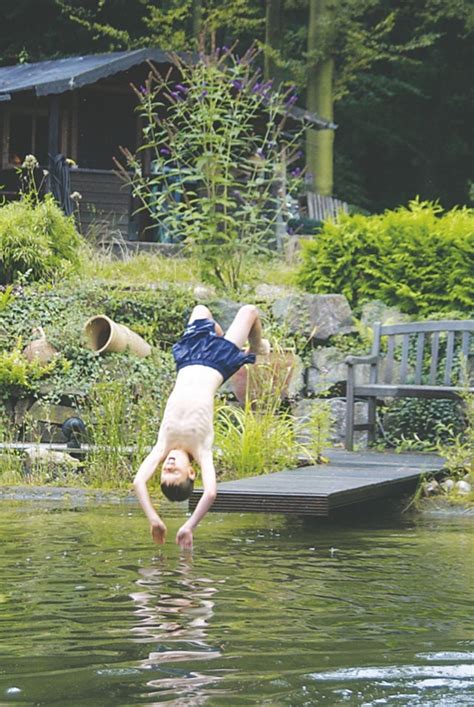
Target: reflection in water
(266,612)
(177,621)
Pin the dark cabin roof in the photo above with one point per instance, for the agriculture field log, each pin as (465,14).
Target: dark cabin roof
(61,75)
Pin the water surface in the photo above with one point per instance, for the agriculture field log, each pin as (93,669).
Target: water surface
(268,610)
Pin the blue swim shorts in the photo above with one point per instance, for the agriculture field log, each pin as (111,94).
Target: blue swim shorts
(201,346)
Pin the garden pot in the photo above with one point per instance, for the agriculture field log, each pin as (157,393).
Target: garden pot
(272,372)
(105,335)
(40,349)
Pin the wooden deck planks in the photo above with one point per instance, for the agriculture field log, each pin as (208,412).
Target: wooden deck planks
(349,478)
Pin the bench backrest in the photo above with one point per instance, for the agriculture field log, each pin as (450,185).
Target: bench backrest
(423,353)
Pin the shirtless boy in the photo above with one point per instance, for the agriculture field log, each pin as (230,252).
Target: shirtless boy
(205,358)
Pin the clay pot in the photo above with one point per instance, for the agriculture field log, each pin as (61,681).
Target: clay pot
(273,371)
(105,335)
(40,349)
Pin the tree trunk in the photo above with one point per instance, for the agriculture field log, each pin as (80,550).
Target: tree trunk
(320,143)
(197,22)
(273,38)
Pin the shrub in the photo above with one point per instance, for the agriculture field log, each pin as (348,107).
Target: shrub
(36,238)
(423,423)
(219,141)
(18,373)
(417,258)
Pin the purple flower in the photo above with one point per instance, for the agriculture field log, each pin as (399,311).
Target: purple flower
(165,151)
(256,88)
(259,151)
(291,100)
(176,95)
(238,84)
(204,93)
(290,231)
(296,172)
(143,90)
(181,88)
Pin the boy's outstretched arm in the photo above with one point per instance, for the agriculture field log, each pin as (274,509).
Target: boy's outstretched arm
(184,537)
(144,473)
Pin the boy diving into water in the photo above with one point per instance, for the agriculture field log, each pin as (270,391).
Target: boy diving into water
(205,358)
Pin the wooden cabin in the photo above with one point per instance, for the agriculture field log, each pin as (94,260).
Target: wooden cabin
(83,108)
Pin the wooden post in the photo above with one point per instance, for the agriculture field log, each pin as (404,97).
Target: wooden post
(53,131)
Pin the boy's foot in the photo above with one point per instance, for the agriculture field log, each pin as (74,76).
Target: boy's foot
(264,351)
(264,348)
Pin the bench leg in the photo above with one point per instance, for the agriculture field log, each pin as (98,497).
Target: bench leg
(349,441)
(372,431)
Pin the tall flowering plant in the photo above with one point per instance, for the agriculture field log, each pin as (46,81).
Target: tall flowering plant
(220,146)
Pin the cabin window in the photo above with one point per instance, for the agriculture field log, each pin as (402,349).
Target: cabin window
(106,121)
(28,136)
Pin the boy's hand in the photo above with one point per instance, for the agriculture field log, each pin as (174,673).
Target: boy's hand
(184,538)
(158,531)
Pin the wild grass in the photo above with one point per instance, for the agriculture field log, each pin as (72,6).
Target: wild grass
(122,425)
(253,441)
(146,269)
(263,435)
(143,269)
(11,466)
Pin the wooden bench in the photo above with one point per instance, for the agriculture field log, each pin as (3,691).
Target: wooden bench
(421,360)
(322,207)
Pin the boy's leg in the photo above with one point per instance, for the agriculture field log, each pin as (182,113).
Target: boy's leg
(200,311)
(247,327)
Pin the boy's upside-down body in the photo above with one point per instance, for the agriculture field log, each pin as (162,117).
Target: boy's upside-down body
(205,357)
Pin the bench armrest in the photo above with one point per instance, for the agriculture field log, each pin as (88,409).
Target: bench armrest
(354,360)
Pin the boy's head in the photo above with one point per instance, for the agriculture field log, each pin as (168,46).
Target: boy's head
(177,475)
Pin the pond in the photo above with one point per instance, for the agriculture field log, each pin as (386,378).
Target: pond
(268,610)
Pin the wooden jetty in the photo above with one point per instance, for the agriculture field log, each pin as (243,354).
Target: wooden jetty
(349,478)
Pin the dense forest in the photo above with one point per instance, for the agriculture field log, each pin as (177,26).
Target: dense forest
(396,77)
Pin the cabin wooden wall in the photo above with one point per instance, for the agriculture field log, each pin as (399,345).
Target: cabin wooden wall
(105,204)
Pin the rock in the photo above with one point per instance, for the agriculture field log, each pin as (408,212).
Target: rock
(21,408)
(377,311)
(271,293)
(204,293)
(315,316)
(49,457)
(430,487)
(302,409)
(447,485)
(296,383)
(224,311)
(328,368)
(53,414)
(463,487)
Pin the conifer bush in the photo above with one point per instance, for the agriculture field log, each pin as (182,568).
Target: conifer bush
(417,258)
(36,238)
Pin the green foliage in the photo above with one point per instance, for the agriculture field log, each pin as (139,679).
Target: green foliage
(36,240)
(413,423)
(158,315)
(319,427)
(214,172)
(252,441)
(458,447)
(16,372)
(417,258)
(122,417)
